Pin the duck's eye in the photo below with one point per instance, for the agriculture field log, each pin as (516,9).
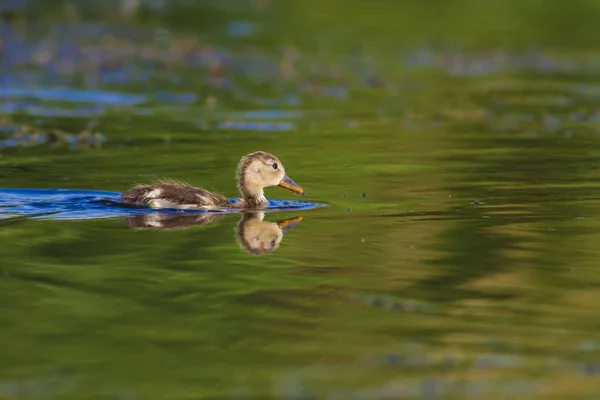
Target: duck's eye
(274,165)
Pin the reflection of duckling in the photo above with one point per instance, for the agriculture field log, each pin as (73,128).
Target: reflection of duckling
(171,221)
(253,234)
(255,172)
(261,237)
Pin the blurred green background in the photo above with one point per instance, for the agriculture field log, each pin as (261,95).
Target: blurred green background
(455,144)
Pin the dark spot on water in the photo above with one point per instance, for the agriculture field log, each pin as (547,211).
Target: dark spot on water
(364,194)
(395,359)
(348,209)
(590,369)
(483,362)
(476,203)
(377,302)
(240,28)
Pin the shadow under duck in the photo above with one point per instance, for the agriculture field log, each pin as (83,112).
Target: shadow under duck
(255,171)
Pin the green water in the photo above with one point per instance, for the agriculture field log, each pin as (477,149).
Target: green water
(457,256)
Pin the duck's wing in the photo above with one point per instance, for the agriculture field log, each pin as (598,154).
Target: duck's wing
(174,195)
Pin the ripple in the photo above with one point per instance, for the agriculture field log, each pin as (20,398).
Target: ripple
(95,204)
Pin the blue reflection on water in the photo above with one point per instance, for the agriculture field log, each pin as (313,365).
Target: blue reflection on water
(103,97)
(94,204)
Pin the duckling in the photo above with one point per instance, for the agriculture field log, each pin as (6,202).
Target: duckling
(255,171)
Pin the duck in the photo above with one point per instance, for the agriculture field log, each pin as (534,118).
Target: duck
(255,172)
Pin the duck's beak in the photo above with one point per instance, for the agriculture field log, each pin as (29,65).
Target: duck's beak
(288,224)
(289,184)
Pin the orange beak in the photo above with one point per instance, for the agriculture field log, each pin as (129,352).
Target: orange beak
(288,224)
(289,184)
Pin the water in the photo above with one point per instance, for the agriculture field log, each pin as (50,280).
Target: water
(446,247)
(95,204)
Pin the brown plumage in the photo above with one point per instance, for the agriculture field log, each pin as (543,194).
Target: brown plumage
(173,195)
(255,171)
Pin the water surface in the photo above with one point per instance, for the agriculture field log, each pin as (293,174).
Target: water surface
(456,257)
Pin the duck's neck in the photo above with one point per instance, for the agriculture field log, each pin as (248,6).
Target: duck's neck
(253,196)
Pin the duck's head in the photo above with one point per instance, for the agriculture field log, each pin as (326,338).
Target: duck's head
(259,170)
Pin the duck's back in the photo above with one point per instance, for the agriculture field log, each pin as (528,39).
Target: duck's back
(174,195)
